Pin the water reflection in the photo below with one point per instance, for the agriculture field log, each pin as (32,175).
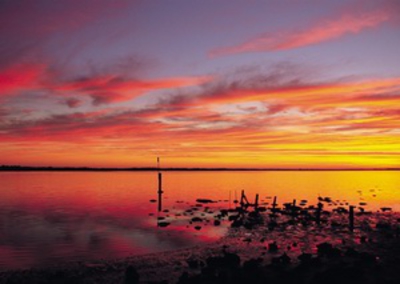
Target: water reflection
(53,217)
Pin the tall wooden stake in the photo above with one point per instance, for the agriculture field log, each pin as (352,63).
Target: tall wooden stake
(160,192)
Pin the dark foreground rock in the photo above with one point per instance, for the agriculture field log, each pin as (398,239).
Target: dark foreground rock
(329,265)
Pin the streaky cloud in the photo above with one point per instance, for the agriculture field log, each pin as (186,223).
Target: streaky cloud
(321,31)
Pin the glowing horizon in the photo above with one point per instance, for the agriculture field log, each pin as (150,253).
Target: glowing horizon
(212,84)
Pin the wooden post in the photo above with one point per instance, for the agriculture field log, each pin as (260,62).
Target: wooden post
(294,208)
(242,199)
(351,218)
(256,202)
(160,192)
(274,205)
(159,182)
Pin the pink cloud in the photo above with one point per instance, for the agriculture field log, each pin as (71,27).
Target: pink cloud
(322,31)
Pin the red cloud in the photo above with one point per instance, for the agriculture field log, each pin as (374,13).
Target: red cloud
(19,77)
(102,89)
(73,102)
(322,31)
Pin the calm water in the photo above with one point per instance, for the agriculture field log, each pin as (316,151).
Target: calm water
(53,217)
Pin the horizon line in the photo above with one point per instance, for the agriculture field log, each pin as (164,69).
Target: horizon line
(85,168)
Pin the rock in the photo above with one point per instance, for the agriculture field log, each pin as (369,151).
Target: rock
(217,222)
(228,260)
(326,249)
(383,225)
(131,275)
(367,258)
(193,263)
(325,199)
(163,224)
(272,225)
(285,259)
(233,217)
(351,252)
(323,248)
(272,247)
(305,257)
(237,223)
(252,265)
(248,225)
(184,278)
(247,240)
(204,200)
(197,219)
(232,259)
(384,209)
(254,214)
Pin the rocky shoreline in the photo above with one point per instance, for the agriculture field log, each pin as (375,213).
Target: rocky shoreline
(284,246)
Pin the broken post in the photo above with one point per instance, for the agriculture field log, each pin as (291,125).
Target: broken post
(351,218)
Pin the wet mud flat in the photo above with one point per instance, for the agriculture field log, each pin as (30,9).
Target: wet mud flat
(291,244)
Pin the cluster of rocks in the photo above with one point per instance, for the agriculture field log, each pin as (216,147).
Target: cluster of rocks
(328,265)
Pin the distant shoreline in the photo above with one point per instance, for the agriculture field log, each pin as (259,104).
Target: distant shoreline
(90,169)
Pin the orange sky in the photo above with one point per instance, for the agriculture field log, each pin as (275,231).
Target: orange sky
(283,88)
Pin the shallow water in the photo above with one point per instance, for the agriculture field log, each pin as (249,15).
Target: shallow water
(52,217)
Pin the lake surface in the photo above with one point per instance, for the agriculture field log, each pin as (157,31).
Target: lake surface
(53,217)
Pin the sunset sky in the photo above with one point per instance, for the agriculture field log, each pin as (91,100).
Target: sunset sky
(200,83)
